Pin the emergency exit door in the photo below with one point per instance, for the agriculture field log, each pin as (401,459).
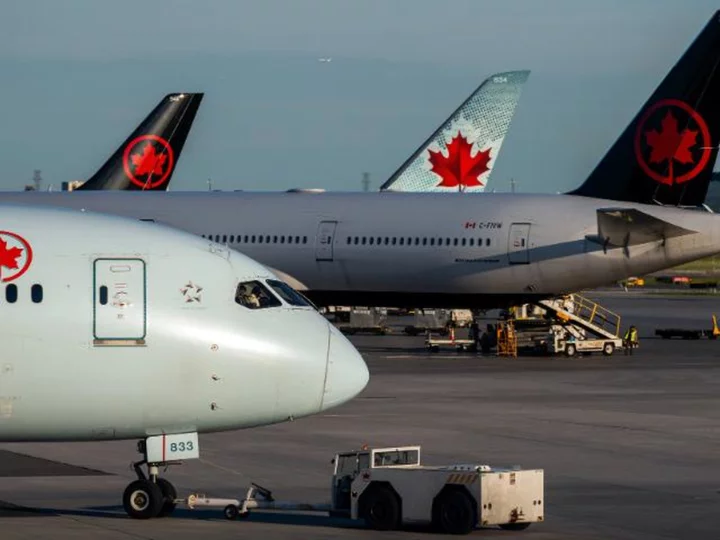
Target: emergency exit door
(119,300)
(325,240)
(519,243)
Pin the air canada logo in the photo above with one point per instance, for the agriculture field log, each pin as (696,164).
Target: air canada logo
(15,256)
(148,161)
(460,168)
(672,142)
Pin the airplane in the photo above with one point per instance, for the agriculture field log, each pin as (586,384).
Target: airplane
(639,211)
(119,329)
(148,157)
(469,139)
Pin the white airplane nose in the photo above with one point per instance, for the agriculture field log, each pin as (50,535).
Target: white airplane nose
(347,374)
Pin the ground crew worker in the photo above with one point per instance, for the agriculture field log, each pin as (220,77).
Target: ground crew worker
(630,340)
(475,334)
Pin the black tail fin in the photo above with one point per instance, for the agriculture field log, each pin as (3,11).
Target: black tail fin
(667,153)
(147,159)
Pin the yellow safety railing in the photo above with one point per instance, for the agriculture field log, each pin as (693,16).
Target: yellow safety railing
(506,339)
(595,314)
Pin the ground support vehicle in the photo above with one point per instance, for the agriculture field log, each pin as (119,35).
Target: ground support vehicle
(389,488)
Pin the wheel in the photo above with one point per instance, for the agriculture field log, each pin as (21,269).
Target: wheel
(143,499)
(169,496)
(381,509)
(514,526)
(231,512)
(454,512)
(570,350)
(608,349)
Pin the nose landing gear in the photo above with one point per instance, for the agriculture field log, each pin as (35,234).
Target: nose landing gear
(151,496)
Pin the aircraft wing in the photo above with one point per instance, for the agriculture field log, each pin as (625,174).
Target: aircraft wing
(629,226)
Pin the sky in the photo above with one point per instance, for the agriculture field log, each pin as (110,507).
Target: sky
(77,76)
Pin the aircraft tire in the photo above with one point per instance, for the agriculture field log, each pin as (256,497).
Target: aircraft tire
(169,495)
(143,499)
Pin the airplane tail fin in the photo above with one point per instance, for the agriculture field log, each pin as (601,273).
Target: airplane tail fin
(666,154)
(147,159)
(460,154)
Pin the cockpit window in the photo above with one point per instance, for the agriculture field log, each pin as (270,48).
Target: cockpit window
(254,295)
(287,293)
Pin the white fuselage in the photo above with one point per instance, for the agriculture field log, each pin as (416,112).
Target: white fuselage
(146,356)
(414,249)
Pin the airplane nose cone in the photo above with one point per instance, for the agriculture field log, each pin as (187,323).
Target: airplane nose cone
(347,374)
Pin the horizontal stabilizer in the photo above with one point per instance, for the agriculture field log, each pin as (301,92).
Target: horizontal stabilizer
(628,226)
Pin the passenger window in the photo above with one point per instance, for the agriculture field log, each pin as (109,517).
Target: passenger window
(447,241)
(254,295)
(487,241)
(394,241)
(349,240)
(224,239)
(304,239)
(275,239)
(372,240)
(282,239)
(464,241)
(455,241)
(432,241)
(424,241)
(103,294)
(479,242)
(417,240)
(287,293)
(260,239)
(297,239)
(402,240)
(290,239)
(11,293)
(267,239)
(387,240)
(36,293)
(363,240)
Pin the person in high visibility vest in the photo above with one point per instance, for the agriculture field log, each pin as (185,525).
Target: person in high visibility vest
(630,340)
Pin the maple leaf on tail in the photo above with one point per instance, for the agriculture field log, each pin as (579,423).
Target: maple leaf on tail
(669,143)
(460,167)
(9,256)
(148,161)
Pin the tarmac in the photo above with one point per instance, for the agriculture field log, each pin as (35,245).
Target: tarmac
(629,445)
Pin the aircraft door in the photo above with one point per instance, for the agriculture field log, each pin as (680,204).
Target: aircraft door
(519,243)
(324,240)
(119,300)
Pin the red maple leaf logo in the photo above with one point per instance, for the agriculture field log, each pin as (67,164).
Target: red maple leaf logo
(9,256)
(669,144)
(148,162)
(460,168)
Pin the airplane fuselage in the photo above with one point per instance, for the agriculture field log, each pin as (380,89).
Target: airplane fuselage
(121,329)
(415,249)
